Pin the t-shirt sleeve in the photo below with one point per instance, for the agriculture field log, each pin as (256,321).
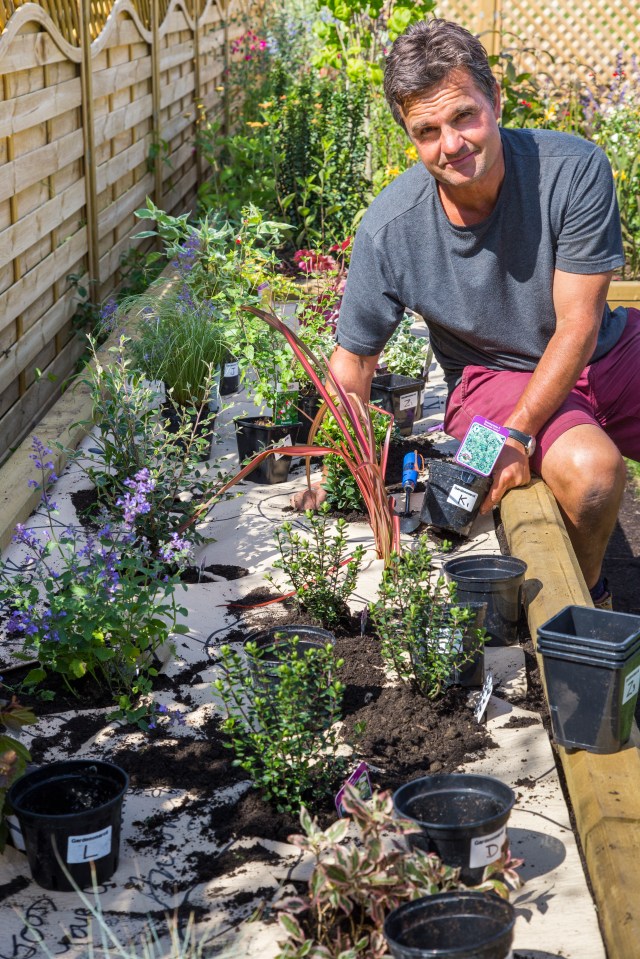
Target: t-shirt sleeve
(590,239)
(370,310)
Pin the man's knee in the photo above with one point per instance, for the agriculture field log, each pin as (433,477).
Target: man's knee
(587,473)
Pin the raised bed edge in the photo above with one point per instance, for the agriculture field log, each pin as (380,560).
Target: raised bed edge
(604,790)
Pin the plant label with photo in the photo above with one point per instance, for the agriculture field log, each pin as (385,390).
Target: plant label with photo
(487,849)
(285,412)
(408,401)
(94,845)
(481,446)
(462,497)
(231,369)
(485,696)
(361,782)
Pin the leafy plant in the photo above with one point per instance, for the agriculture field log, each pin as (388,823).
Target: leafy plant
(406,353)
(177,340)
(341,485)
(130,435)
(353,886)
(356,443)
(280,720)
(98,605)
(420,627)
(318,567)
(14,756)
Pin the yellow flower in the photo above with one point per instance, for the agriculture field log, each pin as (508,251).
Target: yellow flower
(254,124)
(392,171)
(411,153)
(266,104)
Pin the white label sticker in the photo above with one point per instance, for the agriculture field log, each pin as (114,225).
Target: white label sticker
(284,442)
(408,401)
(485,696)
(94,845)
(486,849)
(231,369)
(631,685)
(462,497)
(16,833)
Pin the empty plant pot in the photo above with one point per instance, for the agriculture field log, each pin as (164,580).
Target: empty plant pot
(495,580)
(468,670)
(453,496)
(276,646)
(253,436)
(451,925)
(73,808)
(400,395)
(462,818)
(591,661)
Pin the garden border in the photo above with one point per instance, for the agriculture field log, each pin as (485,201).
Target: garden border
(604,789)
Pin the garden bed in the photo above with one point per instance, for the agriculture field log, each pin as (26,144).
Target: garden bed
(197,839)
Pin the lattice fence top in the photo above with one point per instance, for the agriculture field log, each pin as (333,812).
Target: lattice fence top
(573,38)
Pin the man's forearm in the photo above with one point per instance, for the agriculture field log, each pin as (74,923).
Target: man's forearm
(353,372)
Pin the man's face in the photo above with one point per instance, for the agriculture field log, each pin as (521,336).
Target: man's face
(454,128)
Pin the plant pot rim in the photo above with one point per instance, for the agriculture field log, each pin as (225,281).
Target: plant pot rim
(467,783)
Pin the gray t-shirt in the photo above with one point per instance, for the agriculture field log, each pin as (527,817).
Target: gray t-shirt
(485,291)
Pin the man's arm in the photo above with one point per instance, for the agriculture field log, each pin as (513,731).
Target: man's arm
(579,301)
(353,372)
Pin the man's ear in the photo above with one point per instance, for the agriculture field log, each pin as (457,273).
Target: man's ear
(497,103)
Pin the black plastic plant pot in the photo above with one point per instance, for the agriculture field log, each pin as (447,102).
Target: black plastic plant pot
(591,660)
(308,405)
(453,496)
(471,670)
(229,376)
(452,925)
(253,436)
(462,818)
(400,395)
(204,425)
(495,580)
(73,808)
(276,646)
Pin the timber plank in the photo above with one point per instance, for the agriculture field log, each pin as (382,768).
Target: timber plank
(24,112)
(32,167)
(17,238)
(604,789)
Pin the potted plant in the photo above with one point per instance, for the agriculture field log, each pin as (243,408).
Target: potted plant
(14,756)
(405,368)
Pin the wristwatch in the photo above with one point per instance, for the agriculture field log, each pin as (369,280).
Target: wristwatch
(529,442)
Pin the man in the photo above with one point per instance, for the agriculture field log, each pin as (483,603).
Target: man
(505,242)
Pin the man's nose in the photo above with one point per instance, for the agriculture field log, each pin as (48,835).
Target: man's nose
(451,141)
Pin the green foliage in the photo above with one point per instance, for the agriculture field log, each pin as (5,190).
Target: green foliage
(419,626)
(356,35)
(354,885)
(321,569)
(280,722)
(131,435)
(14,756)
(266,363)
(320,150)
(341,487)
(178,341)
(97,606)
(406,353)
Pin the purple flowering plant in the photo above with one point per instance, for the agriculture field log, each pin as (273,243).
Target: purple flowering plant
(98,605)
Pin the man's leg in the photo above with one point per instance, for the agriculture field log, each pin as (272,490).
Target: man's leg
(586,473)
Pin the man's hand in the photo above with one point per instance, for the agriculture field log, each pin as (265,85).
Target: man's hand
(512,469)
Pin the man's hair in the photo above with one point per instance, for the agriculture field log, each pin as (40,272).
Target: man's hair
(425,54)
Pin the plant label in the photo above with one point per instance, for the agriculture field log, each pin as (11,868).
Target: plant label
(485,696)
(286,441)
(462,497)
(285,411)
(409,401)
(94,845)
(631,685)
(487,849)
(359,778)
(231,369)
(481,446)
(16,833)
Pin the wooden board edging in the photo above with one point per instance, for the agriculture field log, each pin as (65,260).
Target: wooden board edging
(604,789)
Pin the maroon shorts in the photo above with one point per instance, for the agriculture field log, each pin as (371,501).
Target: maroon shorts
(607,395)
